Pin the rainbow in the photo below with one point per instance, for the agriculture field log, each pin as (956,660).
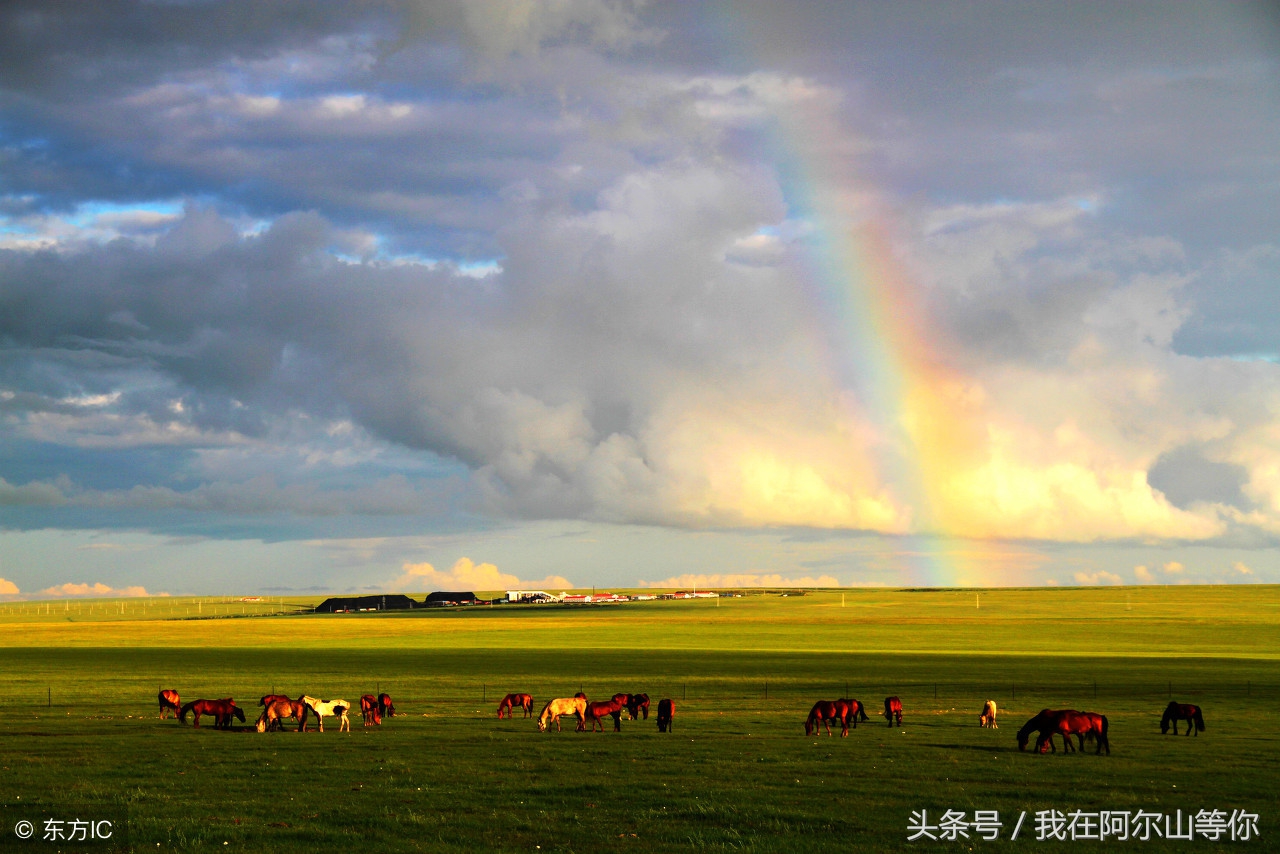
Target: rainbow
(879,346)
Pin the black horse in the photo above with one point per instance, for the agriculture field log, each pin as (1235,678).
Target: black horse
(1176,711)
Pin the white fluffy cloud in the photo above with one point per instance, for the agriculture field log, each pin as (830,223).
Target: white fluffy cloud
(468,575)
(97,590)
(1097,578)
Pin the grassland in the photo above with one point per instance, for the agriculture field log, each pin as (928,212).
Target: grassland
(78,725)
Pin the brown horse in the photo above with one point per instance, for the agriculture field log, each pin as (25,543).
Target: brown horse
(222,710)
(851,711)
(893,710)
(638,705)
(987,717)
(513,701)
(611,708)
(275,711)
(1175,712)
(552,711)
(666,711)
(169,702)
(823,713)
(271,698)
(386,708)
(369,710)
(1065,722)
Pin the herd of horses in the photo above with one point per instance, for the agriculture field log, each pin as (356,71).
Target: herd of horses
(276,709)
(585,712)
(848,712)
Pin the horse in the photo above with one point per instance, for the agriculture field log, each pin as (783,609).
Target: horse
(275,711)
(1065,722)
(987,718)
(1175,712)
(666,711)
(513,701)
(222,710)
(369,710)
(893,709)
(824,712)
(637,705)
(169,702)
(613,708)
(385,707)
(332,708)
(851,710)
(551,712)
(271,698)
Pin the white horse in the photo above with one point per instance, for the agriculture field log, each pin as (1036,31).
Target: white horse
(988,716)
(332,708)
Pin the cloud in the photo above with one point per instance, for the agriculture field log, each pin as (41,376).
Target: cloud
(1240,568)
(8,588)
(1173,568)
(1096,578)
(1143,574)
(96,590)
(468,575)
(703,581)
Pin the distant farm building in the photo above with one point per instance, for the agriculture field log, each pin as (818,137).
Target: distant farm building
(381,602)
(441,599)
(533,597)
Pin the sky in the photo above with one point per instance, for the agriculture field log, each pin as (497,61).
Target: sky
(400,296)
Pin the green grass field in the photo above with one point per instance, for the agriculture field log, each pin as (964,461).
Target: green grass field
(78,726)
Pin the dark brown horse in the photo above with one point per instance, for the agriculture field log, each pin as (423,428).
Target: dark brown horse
(1065,722)
(611,708)
(638,705)
(222,710)
(851,711)
(369,710)
(516,701)
(169,702)
(893,710)
(1176,711)
(276,710)
(271,698)
(666,712)
(823,713)
(386,708)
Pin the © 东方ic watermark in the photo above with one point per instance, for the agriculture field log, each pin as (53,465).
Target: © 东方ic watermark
(34,827)
(1080,825)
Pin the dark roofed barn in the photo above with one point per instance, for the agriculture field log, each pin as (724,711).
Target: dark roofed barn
(381,602)
(450,598)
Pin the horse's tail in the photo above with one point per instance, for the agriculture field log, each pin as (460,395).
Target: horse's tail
(1199,720)
(182,715)
(862,712)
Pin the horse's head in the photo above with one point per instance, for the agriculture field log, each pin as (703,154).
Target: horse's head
(238,712)
(542,725)
(261,725)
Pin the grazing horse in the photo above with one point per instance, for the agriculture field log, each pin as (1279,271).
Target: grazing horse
(369,710)
(666,711)
(824,712)
(385,707)
(513,701)
(333,708)
(169,702)
(1065,722)
(551,712)
(271,698)
(611,708)
(222,710)
(892,710)
(988,716)
(1176,711)
(638,705)
(275,711)
(851,710)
